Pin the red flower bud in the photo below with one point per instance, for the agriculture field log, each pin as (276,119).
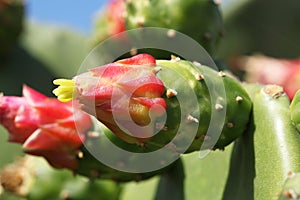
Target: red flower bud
(124,95)
(46,126)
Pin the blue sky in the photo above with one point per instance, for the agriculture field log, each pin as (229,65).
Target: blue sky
(77,14)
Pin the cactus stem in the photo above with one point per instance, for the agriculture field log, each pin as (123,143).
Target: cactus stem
(190,118)
(222,74)
(93,134)
(171,93)
(171,33)
(174,58)
(239,99)
(199,76)
(230,125)
(218,106)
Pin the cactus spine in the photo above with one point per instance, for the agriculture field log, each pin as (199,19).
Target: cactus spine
(291,189)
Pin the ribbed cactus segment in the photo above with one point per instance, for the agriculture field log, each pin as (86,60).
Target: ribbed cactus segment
(264,156)
(291,188)
(91,166)
(295,110)
(181,76)
(201,20)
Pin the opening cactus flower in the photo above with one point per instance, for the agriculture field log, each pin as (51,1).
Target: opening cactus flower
(45,126)
(124,95)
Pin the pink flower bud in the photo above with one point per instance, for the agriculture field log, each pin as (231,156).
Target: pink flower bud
(45,126)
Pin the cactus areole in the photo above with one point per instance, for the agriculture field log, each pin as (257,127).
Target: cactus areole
(138,99)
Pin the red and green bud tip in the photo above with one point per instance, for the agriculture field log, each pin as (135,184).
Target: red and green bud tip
(124,95)
(45,126)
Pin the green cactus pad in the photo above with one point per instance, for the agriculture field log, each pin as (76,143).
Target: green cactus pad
(235,102)
(268,151)
(201,20)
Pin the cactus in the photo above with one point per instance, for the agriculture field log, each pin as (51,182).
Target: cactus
(264,156)
(32,178)
(201,20)
(291,189)
(48,128)
(295,110)
(110,22)
(182,117)
(11,24)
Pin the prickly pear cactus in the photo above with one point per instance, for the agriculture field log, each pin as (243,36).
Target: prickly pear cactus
(201,20)
(190,104)
(264,156)
(295,110)
(11,24)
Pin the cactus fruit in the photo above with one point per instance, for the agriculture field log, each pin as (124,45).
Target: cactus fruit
(192,115)
(291,188)
(110,22)
(264,156)
(201,20)
(11,24)
(295,110)
(33,179)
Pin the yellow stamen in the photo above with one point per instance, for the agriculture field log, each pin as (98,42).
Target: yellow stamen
(65,90)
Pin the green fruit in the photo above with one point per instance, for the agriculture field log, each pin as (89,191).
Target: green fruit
(199,19)
(268,151)
(11,24)
(231,104)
